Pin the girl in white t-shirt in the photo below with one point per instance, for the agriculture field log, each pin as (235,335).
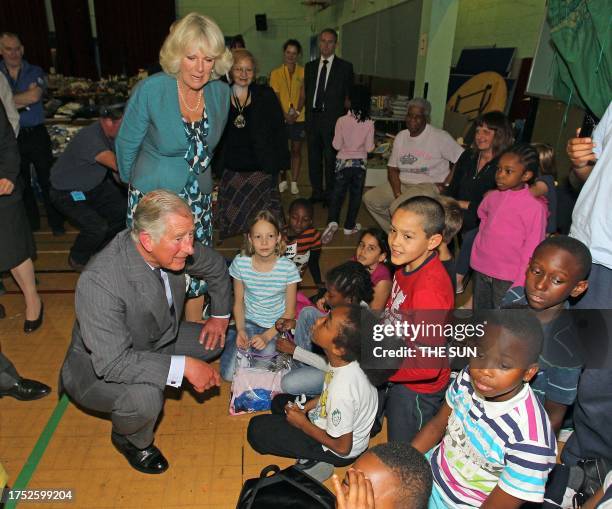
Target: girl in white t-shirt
(265,289)
(334,428)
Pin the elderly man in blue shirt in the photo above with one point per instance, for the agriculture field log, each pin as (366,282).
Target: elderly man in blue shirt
(28,85)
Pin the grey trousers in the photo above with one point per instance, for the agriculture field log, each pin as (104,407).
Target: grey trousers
(8,373)
(134,409)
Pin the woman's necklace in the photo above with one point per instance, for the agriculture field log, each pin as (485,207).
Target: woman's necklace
(240,120)
(189,108)
(478,168)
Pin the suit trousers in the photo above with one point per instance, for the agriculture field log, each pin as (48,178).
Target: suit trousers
(35,148)
(321,154)
(8,373)
(134,409)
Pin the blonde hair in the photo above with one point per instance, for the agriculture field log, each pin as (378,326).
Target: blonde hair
(546,154)
(243,53)
(268,217)
(195,30)
(152,210)
(453,217)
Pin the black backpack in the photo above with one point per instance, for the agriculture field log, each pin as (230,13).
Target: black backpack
(285,488)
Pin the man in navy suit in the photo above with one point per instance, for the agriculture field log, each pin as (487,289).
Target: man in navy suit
(327,84)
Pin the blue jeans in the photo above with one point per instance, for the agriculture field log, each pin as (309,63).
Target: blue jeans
(228,358)
(304,379)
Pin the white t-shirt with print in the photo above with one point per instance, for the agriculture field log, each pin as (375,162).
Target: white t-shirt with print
(424,158)
(349,402)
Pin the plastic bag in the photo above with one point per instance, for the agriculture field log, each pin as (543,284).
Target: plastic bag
(256,381)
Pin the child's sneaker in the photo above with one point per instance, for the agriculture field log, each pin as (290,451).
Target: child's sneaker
(355,229)
(328,234)
(294,188)
(282,187)
(318,470)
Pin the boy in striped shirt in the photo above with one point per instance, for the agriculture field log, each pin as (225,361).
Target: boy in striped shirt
(493,445)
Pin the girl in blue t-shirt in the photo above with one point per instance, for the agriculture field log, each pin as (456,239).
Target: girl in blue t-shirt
(265,289)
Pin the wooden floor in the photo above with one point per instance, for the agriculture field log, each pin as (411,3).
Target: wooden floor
(52,445)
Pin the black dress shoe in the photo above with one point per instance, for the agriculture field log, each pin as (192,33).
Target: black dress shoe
(149,460)
(32,325)
(26,390)
(2,311)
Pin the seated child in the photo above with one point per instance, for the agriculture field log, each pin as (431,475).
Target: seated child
(557,271)
(491,444)
(512,224)
(348,283)
(397,474)
(374,254)
(415,394)
(453,220)
(265,287)
(334,428)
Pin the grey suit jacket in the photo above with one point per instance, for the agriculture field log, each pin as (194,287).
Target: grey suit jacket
(123,324)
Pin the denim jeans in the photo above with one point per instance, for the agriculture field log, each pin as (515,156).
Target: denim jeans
(348,179)
(228,358)
(304,379)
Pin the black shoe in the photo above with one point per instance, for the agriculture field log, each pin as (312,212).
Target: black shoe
(26,390)
(58,231)
(149,460)
(2,311)
(32,325)
(75,265)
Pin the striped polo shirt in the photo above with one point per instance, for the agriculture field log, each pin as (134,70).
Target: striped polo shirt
(509,444)
(264,292)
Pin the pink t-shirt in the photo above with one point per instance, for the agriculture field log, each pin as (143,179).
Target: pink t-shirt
(512,224)
(424,158)
(353,139)
(381,273)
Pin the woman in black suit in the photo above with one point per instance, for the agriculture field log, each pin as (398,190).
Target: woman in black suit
(18,244)
(254,150)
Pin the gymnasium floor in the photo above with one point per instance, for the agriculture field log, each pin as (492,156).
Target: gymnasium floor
(52,445)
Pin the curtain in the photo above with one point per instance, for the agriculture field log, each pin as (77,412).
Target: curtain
(580,31)
(130,33)
(74,41)
(28,19)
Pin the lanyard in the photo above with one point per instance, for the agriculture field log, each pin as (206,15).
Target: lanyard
(289,82)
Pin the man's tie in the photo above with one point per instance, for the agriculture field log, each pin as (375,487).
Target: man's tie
(321,86)
(157,272)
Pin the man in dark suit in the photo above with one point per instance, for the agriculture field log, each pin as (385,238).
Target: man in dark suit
(128,342)
(327,82)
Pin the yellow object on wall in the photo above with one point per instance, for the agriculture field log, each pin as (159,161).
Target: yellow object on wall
(482,93)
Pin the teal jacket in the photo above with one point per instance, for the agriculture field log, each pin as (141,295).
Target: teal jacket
(152,143)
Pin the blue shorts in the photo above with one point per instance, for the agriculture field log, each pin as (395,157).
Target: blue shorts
(296,131)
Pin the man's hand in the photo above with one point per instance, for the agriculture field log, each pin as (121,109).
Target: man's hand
(295,416)
(213,333)
(284,345)
(580,151)
(284,324)
(358,495)
(200,374)
(6,187)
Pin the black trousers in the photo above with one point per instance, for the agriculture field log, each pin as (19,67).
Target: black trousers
(321,154)
(99,217)
(8,373)
(35,148)
(351,180)
(272,434)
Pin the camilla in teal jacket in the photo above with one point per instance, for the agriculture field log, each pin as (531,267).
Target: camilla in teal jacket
(172,124)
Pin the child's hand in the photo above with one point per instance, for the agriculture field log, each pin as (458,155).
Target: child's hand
(284,324)
(242,339)
(359,493)
(295,416)
(285,346)
(258,342)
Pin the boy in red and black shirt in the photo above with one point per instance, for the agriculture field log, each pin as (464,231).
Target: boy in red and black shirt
(415,393)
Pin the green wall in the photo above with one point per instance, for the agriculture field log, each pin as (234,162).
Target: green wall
(286,19)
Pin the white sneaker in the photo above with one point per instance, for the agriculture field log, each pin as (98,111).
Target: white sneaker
(328,234)
(353,231)
(294,188)
(282,187)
